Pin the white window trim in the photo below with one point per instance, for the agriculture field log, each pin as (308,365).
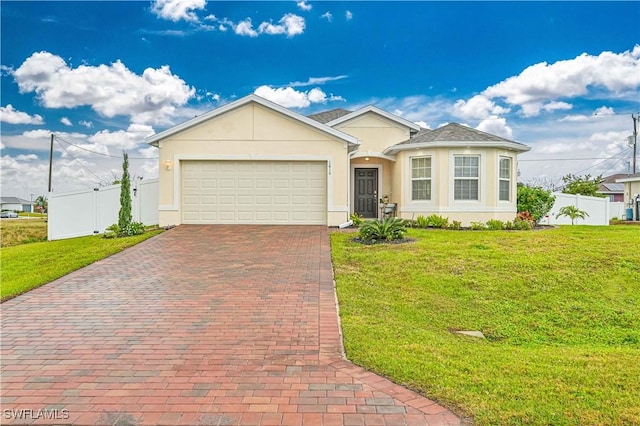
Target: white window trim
(407,187)
(510,180)
(467,205)
(430,178)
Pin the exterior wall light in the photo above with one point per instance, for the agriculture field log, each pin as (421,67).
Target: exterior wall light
(168,164)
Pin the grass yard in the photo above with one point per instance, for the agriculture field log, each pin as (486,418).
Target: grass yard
(22,231)
(560,309)
(25,267)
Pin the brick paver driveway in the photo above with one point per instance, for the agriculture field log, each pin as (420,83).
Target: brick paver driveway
(210,325)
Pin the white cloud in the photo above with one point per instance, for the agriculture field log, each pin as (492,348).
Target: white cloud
(328,16)
(348,15)
(314,81)
(496,126)
(291,98)
(110,90)
(478,107)
(608,75)
(10,115)
(66,121)
(553,106)
(422,124)
(303,5)
(245,28)
(177,10)
(289,24)
(87,124)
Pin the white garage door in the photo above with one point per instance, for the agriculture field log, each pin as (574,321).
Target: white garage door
(254,192)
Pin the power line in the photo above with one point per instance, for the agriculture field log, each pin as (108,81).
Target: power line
(100,153)
(103,181)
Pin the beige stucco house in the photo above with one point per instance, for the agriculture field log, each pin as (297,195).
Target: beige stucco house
(254,162)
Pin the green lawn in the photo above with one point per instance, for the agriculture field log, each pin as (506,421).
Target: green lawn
(27,266)
(560,309)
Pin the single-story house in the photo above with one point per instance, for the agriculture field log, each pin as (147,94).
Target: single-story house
(613,190)
(255,162)
(632,193)
(15,204)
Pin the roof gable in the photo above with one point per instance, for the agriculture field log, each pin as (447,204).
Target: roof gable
(399,120)
(156,138)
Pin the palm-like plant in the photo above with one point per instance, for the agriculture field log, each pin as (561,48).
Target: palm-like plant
(392,228)
(572,212)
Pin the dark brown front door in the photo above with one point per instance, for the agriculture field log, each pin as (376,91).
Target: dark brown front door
(366,192)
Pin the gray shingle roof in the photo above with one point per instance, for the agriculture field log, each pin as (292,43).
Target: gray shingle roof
(454,132)
(13,200)
(611,187)
(327,116)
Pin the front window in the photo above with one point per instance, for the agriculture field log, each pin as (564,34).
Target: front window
(505,179)
(466,178)
(421,178)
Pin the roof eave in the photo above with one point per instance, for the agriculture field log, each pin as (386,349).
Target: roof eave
(156,138)
(513,146)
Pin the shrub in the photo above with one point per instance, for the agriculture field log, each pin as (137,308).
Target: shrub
(535,200)
(495,225)
(389,229)
(422,222)
(455,225)
(133,228)
(508,225)
(526,216)
(112,232)
(478,226)
(437,221)
(522,225)
(356,219)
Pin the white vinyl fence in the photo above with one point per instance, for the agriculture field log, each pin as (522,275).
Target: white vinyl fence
(600,210)
(88,212)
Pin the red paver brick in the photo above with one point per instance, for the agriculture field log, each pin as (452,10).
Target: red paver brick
(201,324)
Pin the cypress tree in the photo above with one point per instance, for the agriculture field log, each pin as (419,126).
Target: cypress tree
(124,216)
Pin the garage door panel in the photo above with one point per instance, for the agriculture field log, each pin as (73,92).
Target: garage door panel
(260,192)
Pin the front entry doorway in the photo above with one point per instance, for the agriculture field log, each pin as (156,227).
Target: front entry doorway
(366,192)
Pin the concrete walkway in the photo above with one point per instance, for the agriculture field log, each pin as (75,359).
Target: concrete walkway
(201,325)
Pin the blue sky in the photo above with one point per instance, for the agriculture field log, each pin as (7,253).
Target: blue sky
(562,77)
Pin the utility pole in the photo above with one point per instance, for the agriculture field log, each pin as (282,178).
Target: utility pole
(635,141)
(51,160)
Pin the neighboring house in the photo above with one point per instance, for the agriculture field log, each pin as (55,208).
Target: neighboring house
(16,204)
(612,189)
(632,193)
(254,162)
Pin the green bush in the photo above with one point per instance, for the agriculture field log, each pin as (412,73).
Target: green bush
(112,231)
(455,225)
(133,228)
(356,219)
(389,229)
(437,221)
(535,200)
(478,226)
(422,222)
(522,225)
(495,225)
